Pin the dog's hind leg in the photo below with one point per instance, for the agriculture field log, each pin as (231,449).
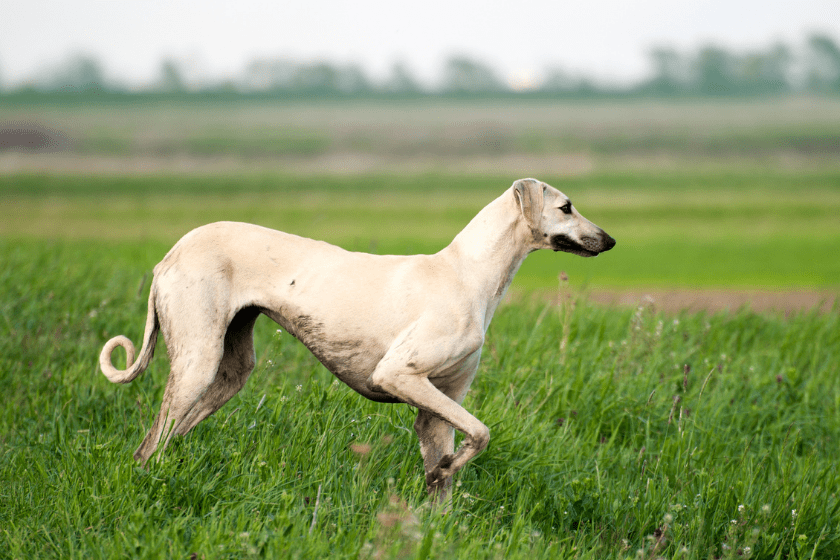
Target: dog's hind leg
(437,439)
(204,375)
(437,408)
(196,347)
(236,366)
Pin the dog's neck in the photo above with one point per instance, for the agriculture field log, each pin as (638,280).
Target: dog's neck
(490,250)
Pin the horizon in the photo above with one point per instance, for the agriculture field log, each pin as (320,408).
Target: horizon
(608,42)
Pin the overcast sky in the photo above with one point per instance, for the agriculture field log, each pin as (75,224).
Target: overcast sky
(608,39)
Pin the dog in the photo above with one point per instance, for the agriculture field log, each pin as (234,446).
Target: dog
(396,329)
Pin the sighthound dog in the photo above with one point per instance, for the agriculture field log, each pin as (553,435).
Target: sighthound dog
(396,329)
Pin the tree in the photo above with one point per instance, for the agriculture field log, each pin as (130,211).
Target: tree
(171,78)
(351,79)
(670,72)
(78,73)
(557,80)
(713,71)
(401,80)
(462,75)
(764,72)
(823,65)
(270,75)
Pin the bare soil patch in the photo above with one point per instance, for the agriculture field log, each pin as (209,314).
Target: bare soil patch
(720,300)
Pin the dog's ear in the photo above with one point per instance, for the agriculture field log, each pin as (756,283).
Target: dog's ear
(529,194)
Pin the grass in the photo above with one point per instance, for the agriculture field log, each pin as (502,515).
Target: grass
(724,228)
(616,433)
(613,432)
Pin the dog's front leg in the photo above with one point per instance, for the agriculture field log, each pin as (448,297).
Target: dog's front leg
(437,415)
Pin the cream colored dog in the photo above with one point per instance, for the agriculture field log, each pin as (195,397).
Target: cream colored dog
(396,329)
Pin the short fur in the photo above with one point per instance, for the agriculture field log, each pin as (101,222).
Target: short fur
(396,329)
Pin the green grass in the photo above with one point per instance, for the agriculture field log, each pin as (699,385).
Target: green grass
(713,228)
(613,430)
(600,448)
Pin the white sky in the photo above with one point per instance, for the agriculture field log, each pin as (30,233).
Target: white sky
(605,38)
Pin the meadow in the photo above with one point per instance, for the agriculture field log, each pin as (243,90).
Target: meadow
(616,432)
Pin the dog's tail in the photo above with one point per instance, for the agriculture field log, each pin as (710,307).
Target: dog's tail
(132,368)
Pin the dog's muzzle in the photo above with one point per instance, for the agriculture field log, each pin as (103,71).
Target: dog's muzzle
(588,246)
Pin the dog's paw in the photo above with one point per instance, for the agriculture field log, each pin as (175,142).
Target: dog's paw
(437,478)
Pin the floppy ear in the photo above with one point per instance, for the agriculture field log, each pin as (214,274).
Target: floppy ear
(529,196)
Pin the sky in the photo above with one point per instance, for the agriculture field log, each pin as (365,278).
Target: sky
(607,39)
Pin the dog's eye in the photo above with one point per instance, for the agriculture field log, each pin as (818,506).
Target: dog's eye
(566,208)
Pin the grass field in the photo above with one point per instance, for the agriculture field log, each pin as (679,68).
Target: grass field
(615,432)
(685,436)
(717,228)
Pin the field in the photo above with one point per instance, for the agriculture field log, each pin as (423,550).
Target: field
(617,431)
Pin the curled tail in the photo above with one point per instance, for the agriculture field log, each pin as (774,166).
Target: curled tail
(132,368)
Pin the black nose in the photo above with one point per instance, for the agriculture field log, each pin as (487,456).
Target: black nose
(609,242)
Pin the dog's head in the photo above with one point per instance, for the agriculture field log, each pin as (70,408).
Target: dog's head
(556,224)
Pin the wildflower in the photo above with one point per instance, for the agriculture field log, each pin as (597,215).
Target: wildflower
(793,514)
(360,448)
(668,518)
(747,551)
(299,388)
(741,508)
(765,509)
(734,521)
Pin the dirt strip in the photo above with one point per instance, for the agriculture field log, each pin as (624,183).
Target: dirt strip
(717,300)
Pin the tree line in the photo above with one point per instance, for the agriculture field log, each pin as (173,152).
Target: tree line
(709,71)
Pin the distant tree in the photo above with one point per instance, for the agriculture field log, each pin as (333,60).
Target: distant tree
(401,80)
(764,72)
(270,75)
(823,65)
(714,72)
(462,75)
(352,79)
(171,80)
(316,78)
(77,73)
(671,73)
(557,80)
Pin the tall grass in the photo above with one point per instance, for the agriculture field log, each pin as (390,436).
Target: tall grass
(645,435)
(743,228)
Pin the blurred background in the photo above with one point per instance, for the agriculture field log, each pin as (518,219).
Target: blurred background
(704,136)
